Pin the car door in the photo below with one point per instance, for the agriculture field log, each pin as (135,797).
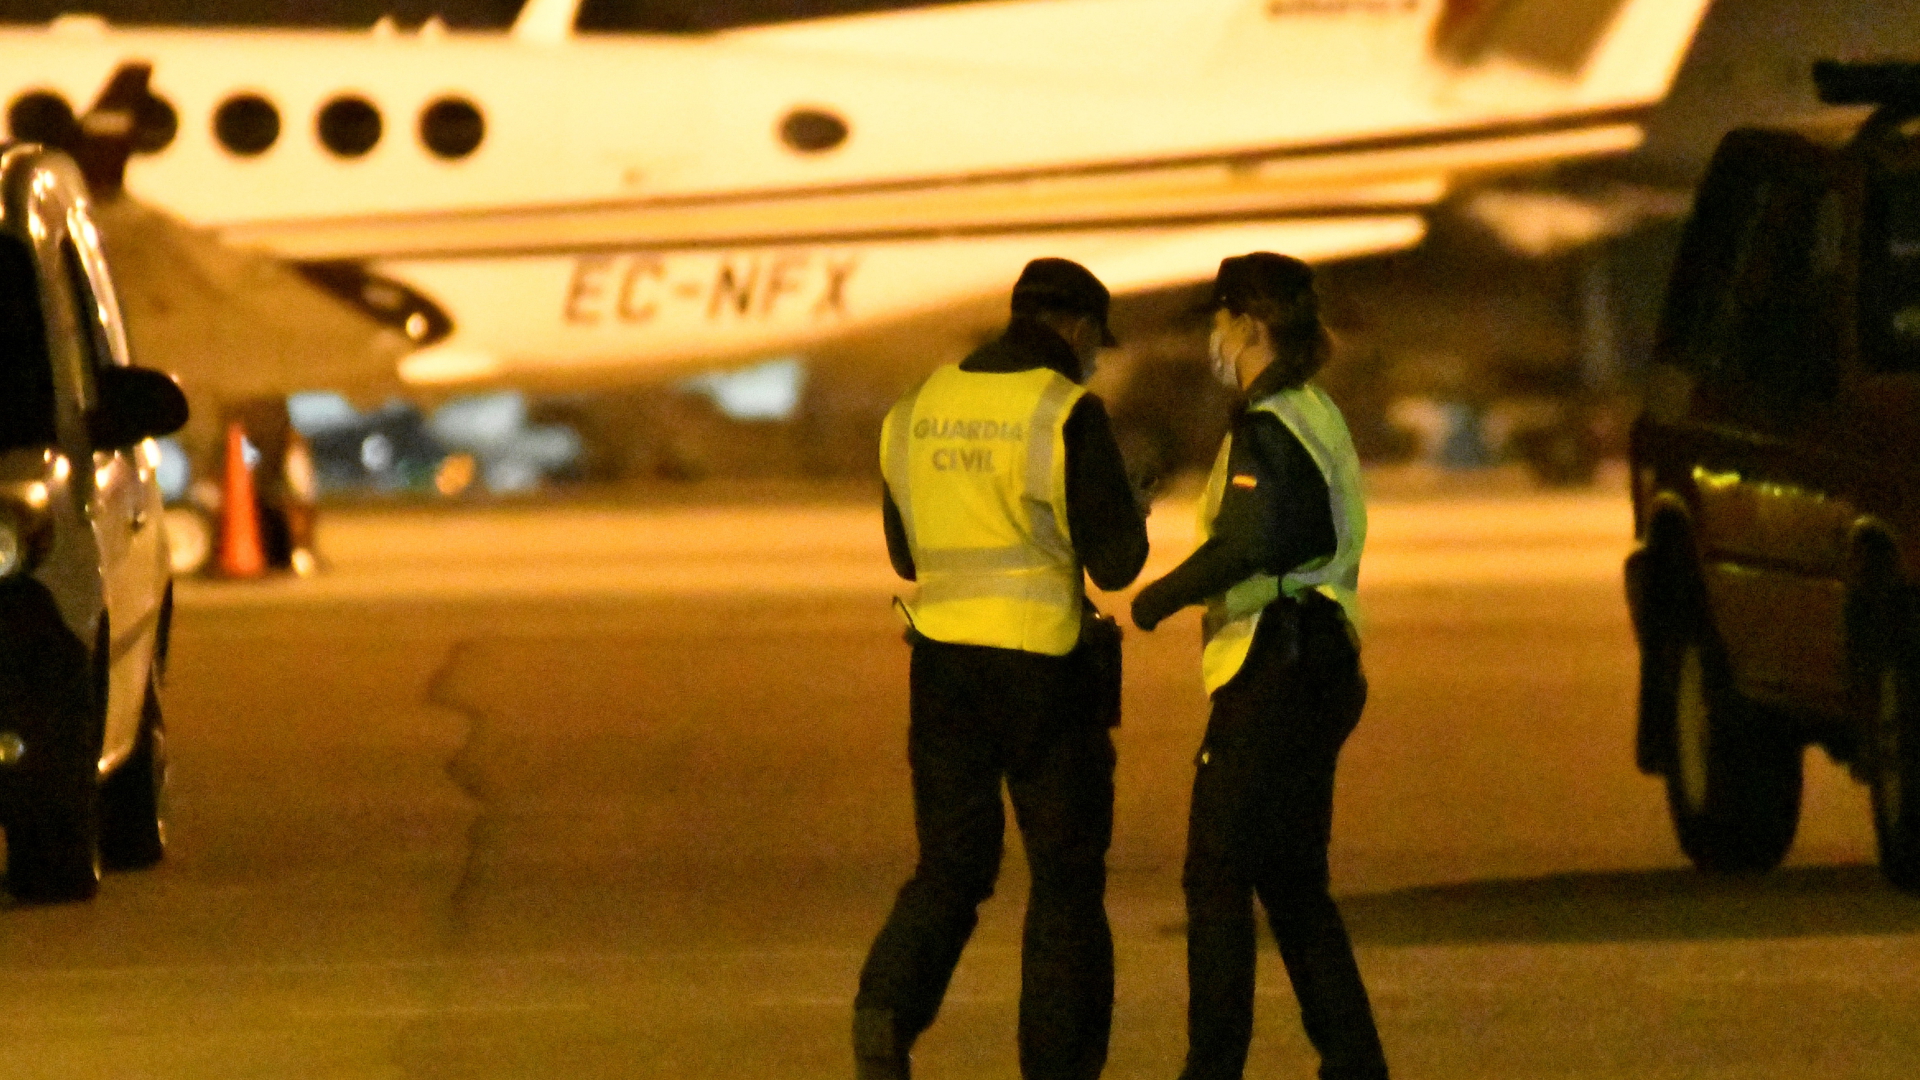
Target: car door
(1771,517)
(1806,465)
(124,526)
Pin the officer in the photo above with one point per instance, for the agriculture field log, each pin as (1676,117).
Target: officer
(1282,523)
(1003,481)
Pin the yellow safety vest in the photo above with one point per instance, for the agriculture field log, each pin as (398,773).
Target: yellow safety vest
(1232,616)
(976,463)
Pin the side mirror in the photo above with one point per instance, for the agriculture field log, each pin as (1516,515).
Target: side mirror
(135,403)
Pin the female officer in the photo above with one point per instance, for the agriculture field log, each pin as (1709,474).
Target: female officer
(1282,525)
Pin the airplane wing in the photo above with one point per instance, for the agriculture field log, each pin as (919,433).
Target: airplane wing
(230,323)
(233,324)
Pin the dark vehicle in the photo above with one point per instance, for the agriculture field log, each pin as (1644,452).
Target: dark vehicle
(85,598)
(387,449)
(1776,486)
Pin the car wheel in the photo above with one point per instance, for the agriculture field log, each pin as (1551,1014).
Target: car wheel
(53,841)
(1734,775)
(1893,750)
(133,826)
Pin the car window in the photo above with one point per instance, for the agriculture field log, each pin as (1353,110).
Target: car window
(1713,258)
(1727,297)
(93,335)
(1769,320)
(26,370)
(1891,308)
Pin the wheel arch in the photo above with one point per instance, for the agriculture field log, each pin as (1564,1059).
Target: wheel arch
(1663,585)
(1878,587)
(1667,536)
(1873,547)
(1879,611)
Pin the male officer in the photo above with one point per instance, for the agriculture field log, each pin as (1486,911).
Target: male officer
(1283,524)
(1003,481)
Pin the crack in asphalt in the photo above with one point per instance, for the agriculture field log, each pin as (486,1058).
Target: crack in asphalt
(411,1047)
(463,770)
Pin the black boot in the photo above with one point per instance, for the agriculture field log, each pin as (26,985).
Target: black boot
(877,1052)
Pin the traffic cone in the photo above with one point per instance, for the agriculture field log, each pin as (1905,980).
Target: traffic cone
(241,554)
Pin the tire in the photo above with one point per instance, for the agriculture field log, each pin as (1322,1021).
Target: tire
(133,824)
(53,832)
(1890,673)
(1734,771)
(53,843)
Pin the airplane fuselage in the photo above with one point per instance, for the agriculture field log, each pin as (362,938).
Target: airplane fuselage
(611,201)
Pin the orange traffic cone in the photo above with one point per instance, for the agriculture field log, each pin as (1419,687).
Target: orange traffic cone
(241,554)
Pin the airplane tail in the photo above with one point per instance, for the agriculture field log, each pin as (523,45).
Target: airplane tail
(546,22)
(1582,53)
(1616,51)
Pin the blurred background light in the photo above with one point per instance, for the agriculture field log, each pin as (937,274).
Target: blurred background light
(766,391)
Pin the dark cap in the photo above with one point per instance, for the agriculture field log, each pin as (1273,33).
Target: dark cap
(1063,285)
(1261,284)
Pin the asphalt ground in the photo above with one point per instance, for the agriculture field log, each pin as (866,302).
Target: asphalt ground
(606,791)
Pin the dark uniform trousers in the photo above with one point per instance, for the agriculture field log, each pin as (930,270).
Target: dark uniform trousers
(1261,818)
(981,716)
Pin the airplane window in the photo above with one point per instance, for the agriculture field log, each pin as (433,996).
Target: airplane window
(452,127)
(812,131)
(26,371)
(349,126)
(43,116)
(155,127)
(247,124)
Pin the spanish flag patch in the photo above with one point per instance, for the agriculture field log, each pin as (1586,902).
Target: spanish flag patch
(1243,480)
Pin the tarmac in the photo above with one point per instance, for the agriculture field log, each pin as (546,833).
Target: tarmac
(619,790)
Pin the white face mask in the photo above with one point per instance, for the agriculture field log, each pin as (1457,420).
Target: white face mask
(1224,366)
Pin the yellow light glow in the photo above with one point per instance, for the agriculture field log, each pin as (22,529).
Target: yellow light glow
(444,365)
(1718,481)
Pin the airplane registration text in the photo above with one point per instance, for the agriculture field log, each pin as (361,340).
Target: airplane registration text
(635,288)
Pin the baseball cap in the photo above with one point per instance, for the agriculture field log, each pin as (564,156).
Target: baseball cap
(1063,285)
(1262,283)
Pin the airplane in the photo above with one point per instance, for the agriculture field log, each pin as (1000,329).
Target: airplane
(547,206)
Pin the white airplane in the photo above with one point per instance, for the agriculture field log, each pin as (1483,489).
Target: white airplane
(548,206)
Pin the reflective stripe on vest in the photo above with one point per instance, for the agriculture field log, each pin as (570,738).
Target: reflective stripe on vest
(976,464)
(1232,617)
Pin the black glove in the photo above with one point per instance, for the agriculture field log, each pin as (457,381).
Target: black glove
(1151,605)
